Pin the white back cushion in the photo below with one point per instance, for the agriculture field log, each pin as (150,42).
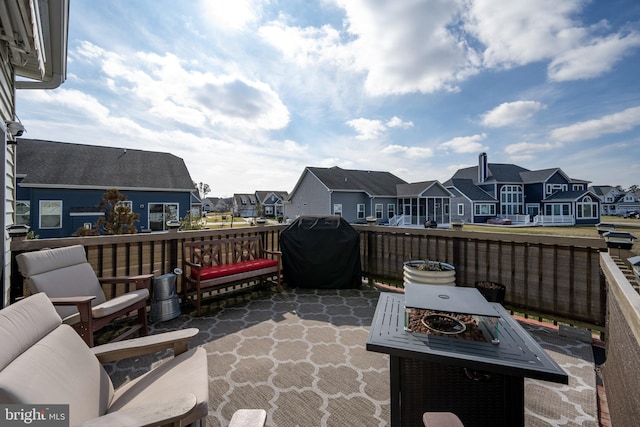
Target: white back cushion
(23,324)
(61,272)
(59,369)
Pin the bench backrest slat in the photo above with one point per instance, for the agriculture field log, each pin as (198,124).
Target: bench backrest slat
(223,251)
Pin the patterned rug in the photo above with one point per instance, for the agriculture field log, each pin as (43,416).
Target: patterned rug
(301,356)
(552,404)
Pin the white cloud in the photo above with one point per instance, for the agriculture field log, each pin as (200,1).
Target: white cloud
(164,88)
(591,129)
(465,144)
(367,129)
(308,46)
(527,151)
(231,14)
(393,149)
(594,59)
(371,129)
(408,152)
(397,122)
(516,33)
(520,32)
(509,113)
(405,47)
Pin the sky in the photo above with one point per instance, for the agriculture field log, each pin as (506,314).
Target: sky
(250,92)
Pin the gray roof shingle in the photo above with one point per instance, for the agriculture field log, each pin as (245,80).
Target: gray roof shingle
(61,164)
(373,182)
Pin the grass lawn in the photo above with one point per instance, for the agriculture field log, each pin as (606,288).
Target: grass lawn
(622,224)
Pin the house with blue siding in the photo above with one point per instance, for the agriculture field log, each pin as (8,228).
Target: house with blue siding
(541,197)
(60,185)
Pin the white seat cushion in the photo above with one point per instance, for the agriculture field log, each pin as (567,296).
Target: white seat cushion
(111,306)
(59,369)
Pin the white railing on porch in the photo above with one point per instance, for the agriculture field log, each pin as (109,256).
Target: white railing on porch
(397,221)
(519,219)
(554,220)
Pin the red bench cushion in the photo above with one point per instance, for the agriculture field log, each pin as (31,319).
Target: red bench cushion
(229,269)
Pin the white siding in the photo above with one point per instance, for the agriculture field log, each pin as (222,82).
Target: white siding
(7,103)
(311,197)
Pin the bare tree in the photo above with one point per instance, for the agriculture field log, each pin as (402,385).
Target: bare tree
(203,189)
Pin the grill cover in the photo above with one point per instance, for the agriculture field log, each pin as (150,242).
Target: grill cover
(321,252)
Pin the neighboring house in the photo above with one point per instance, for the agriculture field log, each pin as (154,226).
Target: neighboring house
(615,200)
(272,203)
(60,185)
(33,55)
(353,194)
(218,204)
(245,205)
(545,196)
(470,203)
(421,202)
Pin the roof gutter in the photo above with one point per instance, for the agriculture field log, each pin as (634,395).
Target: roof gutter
(58,12)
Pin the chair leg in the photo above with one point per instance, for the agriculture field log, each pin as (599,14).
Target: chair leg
(142,319)
(85,333)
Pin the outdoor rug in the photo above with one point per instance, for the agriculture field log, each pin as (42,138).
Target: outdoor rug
(301,356)
(553,404)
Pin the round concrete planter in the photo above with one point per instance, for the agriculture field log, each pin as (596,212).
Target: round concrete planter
(412,273)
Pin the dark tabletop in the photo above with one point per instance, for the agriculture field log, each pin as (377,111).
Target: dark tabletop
(516,353)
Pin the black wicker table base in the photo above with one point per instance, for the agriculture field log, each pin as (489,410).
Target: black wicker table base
(478,398)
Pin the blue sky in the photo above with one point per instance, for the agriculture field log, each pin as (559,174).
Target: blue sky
(249,93)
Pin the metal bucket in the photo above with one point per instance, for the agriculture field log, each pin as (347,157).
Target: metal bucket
(165,310)
(165,304)
(164,287)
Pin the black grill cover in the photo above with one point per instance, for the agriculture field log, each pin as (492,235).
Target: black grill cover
(321,252)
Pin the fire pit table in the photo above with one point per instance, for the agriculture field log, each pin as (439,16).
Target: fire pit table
(481,381)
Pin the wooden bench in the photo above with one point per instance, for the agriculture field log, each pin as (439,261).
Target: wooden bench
(213,266)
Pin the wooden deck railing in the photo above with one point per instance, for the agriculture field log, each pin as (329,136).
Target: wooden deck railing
(546,277)
(622,345)
(549,277)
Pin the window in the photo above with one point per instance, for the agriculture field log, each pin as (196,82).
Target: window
(578,187)
(587,208)
(378,210)
(23,212)
(391,210)
(485,209)
(50,213)
(160,213)
(511,199)
(337,209)
(552,188)
(360,213)
(557,209)
(460,209)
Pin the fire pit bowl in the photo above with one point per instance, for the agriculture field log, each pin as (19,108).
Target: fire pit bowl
(443,324)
